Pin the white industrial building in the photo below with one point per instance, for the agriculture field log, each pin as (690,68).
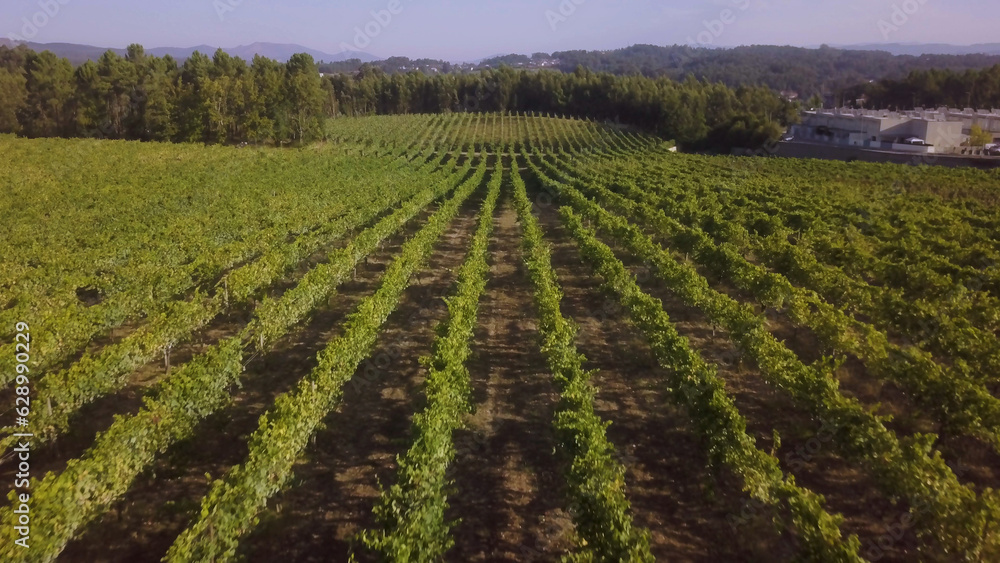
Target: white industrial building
(940,131)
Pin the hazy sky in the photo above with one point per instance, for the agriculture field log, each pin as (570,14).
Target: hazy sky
(471,29)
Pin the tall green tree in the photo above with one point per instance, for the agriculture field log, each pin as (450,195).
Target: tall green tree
(49,110)
(265,101)
(153,97)
(89,100)
(304,92)
(193,99)
(119,84)
(159,84)
(13,99)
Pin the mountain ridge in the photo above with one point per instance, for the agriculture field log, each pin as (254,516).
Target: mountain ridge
(918,49)
(79,53)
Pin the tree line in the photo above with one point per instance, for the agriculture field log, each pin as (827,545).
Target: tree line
(211,100)
(223,99)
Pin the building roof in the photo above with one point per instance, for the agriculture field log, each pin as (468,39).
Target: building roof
(939,114)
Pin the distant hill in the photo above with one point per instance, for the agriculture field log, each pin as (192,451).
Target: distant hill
(78,54)
(918,49)
(282,52)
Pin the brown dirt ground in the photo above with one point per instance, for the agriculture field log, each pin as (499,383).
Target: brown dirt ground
(508,486)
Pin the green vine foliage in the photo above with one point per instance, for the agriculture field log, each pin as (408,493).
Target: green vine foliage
(595,479)
(411,512)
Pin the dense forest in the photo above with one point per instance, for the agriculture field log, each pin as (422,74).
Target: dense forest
(825,71)
(396,65)
(227,100)
(933,88)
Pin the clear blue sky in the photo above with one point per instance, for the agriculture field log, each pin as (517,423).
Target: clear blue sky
(470,29)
